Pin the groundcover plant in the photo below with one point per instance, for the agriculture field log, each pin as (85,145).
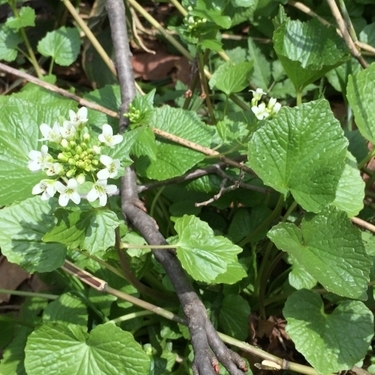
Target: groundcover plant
(214,220)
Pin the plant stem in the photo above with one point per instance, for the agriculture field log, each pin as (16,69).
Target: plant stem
(28,294)
(130,316)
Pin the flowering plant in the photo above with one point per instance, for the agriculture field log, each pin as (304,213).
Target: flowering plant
(262,111)
(72,157)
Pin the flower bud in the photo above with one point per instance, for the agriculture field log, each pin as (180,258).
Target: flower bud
(86,137)
(70,173)
(63,157)
(79,149)
(71,161)
(64,143)
(81,164)
(81,178)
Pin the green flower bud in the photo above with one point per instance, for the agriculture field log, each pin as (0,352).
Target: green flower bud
(64,143)
(63,157)
(79,149)
(86,137)
(71,161)
(81,164)
(72,144)
(71,173)
(81,178)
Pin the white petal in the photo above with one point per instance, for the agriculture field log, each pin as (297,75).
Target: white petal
(107,130)
(93,194)
(103,199)
(106,160)
(75,197)
(38,188)
(44,149)
(103,174)
(63,199)
(45,130)
(72,184)
(60,187)
(111,189)
(116,139)
(82,114)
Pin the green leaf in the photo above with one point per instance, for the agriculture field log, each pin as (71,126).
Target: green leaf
(145,144)
(262,68)
(247,221)
(328,247)
(9,40)
(302,150)
(62,45)
(308,50)
(231,78)
(25,18)
(92,230)
(298,277)
(234,316)
(357,144)
(71,350)
(67,308)
(19,133)
(234,273)
(172,159)
(351,188)
(23,226)
(203,255)
(330,342)
(361,97)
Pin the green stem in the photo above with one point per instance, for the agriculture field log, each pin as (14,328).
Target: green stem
(289,211)
(155,200)
(130,316)
(275,213)
(206,93)
(369,156)
(28,294)
(299,97)
(31,55)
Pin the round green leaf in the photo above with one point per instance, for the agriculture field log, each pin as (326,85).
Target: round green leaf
(62,45)
(203,255)
(23,226)
(330,342)
(234,316)
(56,348)
(330,249)
(302,150)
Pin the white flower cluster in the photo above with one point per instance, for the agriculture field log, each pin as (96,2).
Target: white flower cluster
(72,158)
(262,111)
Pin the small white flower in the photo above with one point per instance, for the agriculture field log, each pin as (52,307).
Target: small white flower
(68,192)
(67,130)
(78,118)
(38,159)
(47,187)
(257,95)
(260,111)
(276,108)
(108,138)
(100,190)
(112,167)
(50,134)
(53,169)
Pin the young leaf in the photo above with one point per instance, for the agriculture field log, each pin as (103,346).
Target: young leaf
(231,78)
(308,50)
(203,255)
(302,150)
(361,97)
(262,68)
(351,188)
(234,316)
(62,45)
(330,342)
(71,350)
(9,40)
(25,18)
(23,226)
(68,308)
(330,248)
(173,159)
(92,230)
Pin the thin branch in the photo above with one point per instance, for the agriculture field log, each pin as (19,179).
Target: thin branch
(363,224)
